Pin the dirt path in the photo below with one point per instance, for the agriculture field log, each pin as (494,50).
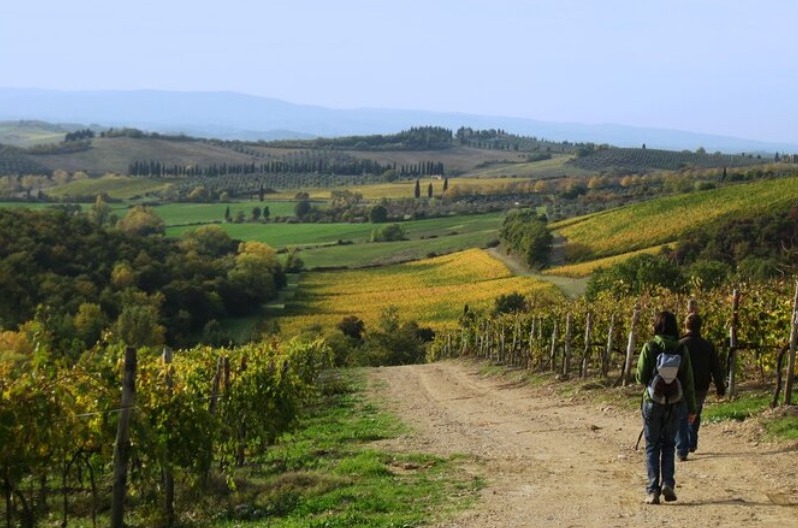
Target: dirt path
(550,461)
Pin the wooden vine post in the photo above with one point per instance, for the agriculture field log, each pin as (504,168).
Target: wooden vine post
(514,360)
(217,379)
(586,352)
(553,354)
(630,346)
(566,358)
(605,358)
(529,355)
(242,426)
(168,475)
(122,446)
(502,357)
(733,341)
(793,344)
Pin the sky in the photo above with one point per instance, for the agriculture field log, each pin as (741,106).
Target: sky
(726,67)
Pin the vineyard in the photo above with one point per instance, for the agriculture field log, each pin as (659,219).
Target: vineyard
(14,162)
(660,221)
(751,327)
(584,269)
(194,419)
(643,159)
(431,292)
(184,419)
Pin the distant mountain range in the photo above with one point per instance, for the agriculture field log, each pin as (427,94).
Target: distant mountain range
(229,115)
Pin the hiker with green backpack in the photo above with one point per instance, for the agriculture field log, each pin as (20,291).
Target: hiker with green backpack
(664,369)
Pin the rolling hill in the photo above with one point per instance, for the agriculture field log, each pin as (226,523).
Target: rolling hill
(659,221)
(230,115)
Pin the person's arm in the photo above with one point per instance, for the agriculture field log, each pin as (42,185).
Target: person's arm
(717,371)
(644,370)
(688,382)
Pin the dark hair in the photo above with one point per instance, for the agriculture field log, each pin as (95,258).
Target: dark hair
(665,324)
(692,323)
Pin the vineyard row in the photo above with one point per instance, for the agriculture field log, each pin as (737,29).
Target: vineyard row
(64,432)
(753,328)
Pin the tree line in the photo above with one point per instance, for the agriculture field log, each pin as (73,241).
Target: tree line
(91,276)
(415,138)
(79,135)
(316,165)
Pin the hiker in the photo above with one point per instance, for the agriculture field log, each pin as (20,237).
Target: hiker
(664,369)
(706,368)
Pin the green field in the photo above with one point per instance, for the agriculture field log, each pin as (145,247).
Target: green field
(381,253)
(320,247)
(29,133)
(181,214)
(118,187)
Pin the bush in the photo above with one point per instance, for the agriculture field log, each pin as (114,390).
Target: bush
(709,274)
(396,343)
(639,274)
(389,233)
(509,303)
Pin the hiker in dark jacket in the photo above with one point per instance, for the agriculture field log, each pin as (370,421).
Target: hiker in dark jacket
(660,420)
(706,368)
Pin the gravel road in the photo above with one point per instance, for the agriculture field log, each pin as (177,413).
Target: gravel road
(556,461)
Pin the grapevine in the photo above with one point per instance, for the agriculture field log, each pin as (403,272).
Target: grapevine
(58,422)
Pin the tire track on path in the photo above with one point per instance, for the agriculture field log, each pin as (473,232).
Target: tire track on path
(552,461)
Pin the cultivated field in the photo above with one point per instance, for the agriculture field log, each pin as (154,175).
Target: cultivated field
(663,220)
(347,245)
(584,269)
(432,292)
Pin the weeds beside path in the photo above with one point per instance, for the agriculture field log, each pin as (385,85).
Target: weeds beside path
(553,460)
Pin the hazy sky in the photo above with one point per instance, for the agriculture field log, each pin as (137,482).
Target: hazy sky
(719,66)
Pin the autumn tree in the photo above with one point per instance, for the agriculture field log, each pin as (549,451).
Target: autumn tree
(255,270)
(141,220)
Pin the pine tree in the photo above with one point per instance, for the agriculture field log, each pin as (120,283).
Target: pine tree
(417,193)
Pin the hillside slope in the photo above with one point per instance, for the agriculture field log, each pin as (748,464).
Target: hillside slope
(116,154)
(663,220)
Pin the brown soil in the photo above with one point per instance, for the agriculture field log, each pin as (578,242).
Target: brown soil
(559,461)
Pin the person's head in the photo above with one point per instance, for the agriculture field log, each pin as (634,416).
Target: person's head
(665,324)
(692,323)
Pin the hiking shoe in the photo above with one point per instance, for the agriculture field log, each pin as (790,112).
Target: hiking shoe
(682,457)
(668,494)
(652,498)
